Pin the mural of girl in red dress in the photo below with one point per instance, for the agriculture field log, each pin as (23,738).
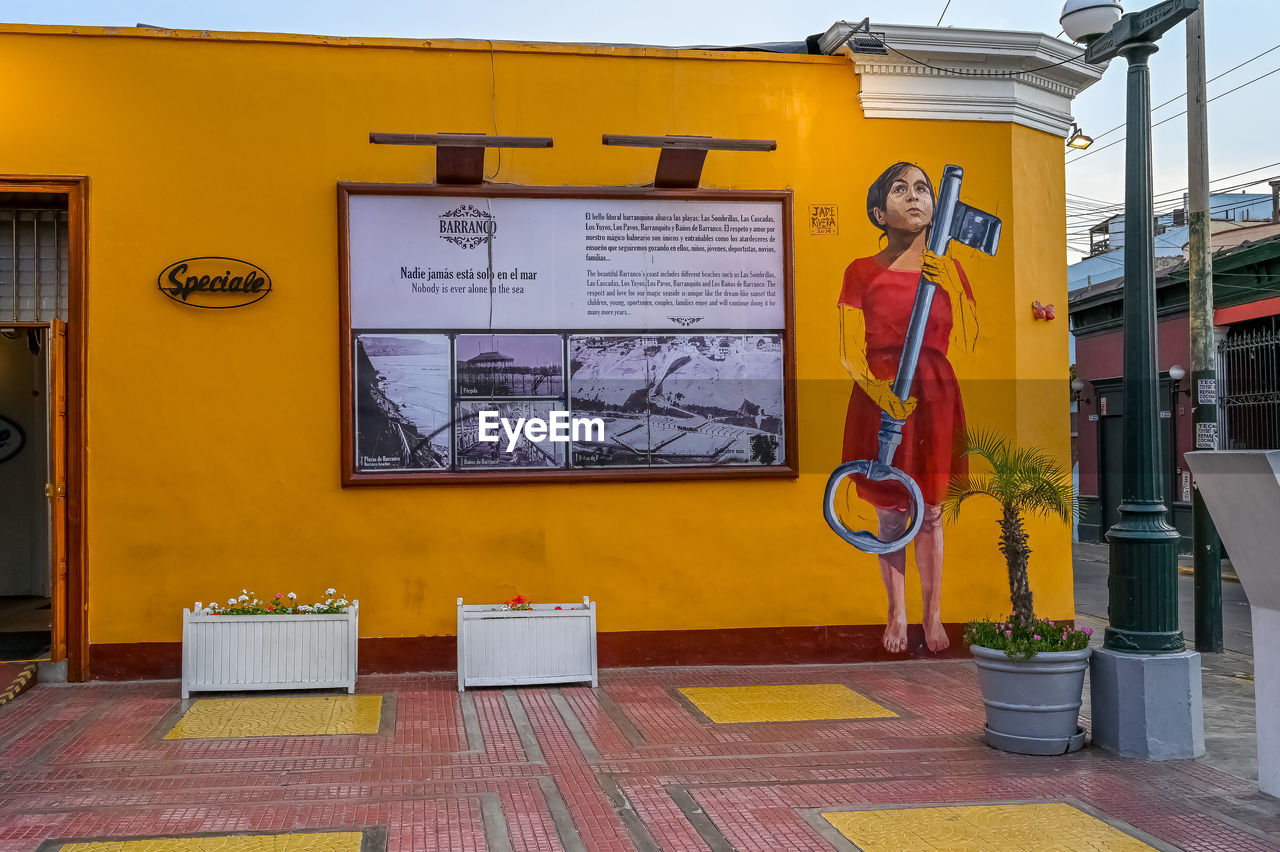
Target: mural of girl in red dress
(875,307)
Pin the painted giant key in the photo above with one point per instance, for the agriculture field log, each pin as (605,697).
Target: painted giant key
(952,220)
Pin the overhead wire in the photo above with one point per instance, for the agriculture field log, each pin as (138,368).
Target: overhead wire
(1223,207)
(1225,200)
(1184,94)
(1077,244)
(1104,208)
(1078,228)
(1091,152)
(1080,207)
(1087,198)
(944,13)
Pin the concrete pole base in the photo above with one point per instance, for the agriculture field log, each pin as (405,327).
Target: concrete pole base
(1147,705)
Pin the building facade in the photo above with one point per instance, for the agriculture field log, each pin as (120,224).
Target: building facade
(1246,282)
(1227,211)
(195,453)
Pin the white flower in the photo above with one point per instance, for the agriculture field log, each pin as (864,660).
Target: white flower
(292,596)
(231,601)
(244,591)
(330,591)
(304,608)
(342,601)
(244,598)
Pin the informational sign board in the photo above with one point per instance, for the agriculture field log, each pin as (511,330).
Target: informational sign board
(647,331)
(1207,436)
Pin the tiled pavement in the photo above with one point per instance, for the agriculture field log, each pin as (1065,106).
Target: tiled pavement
(341,841)
(631,765)
(297,715)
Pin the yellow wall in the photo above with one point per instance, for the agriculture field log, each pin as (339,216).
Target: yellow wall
(214,435)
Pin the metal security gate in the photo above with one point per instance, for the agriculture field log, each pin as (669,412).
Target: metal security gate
(33,265)
(1249,386)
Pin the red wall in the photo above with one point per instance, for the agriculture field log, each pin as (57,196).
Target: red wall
(1101,356)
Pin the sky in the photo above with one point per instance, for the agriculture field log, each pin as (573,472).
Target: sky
(1236,30)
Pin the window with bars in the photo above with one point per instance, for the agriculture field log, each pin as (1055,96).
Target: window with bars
(33,265)
(1249,386)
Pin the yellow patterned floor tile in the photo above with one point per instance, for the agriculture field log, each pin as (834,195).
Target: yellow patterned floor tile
(787,703)
(211,718)
(343,841)
(1047,827)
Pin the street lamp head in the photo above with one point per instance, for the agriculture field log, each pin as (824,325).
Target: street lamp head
(1085,20)
(1077,385)
(1078,139)
(1177,372)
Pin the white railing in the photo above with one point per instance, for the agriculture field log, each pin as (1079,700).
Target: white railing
(240,652)
(539,645)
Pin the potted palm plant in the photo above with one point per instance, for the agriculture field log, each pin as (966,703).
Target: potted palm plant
(1031,670)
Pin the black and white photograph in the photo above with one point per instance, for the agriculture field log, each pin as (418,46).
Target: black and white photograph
(509,365)
(402,402)
(475,454)
(668,400)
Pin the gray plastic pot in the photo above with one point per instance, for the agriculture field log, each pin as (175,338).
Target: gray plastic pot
(1033,706)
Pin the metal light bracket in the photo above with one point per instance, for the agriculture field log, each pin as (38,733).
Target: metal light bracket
(680,163)
(1146,25)
(460,156)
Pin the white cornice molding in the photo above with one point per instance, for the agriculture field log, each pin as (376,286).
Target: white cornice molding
(894,86)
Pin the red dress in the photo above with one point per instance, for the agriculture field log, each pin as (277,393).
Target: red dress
(933,436)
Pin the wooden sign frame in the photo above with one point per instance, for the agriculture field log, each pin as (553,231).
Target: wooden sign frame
(350,476)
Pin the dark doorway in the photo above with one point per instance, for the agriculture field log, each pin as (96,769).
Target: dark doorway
(36,254)
(1111,451)
(26,577)
(1110,462)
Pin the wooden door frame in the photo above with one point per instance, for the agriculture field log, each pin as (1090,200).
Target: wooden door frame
(76,190)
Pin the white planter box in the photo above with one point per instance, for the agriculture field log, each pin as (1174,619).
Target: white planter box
(239,652)
(540,645)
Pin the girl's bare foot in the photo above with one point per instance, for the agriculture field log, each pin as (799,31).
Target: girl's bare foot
(935,635)
(895,634)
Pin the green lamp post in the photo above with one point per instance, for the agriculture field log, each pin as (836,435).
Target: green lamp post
(1144,547)
(1146,698)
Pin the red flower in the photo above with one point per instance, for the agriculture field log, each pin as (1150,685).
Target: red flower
(557,607)
(270,609)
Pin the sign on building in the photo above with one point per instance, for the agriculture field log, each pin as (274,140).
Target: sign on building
(646,334)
